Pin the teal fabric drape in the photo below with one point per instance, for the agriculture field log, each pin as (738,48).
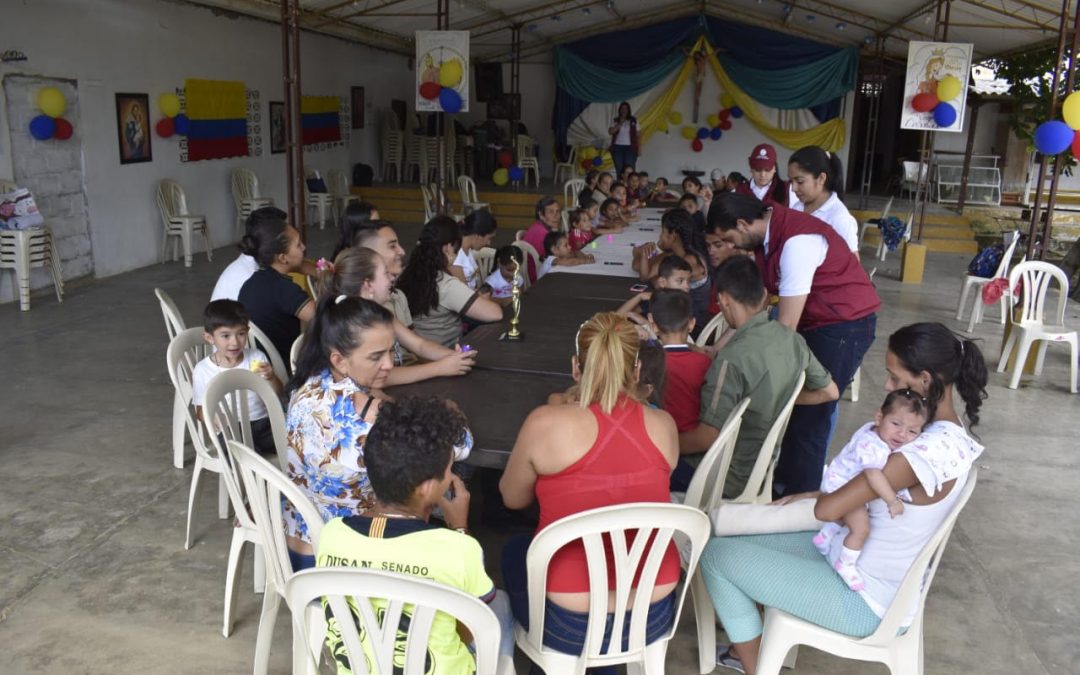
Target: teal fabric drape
(803,86)
(591,82)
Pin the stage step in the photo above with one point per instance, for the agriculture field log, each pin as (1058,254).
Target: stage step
(942,233)
(514,209)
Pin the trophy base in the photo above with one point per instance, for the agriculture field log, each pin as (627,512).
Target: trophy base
(507,337)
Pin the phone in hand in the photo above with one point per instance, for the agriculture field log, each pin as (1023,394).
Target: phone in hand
(638,288)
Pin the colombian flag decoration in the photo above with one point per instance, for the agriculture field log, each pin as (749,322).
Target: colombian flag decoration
(319,119)
(217,115)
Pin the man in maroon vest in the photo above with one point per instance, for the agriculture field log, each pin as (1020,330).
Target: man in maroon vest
(825,294)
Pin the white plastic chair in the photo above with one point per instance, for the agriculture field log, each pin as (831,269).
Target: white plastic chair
(973,282)
(294,351)
(658,522)
(258,340)
(526,159)
(571,190)
(179,224)
(429,202)
(569,167)
(174,325)
(712,330)
(319,203)
(337,182)
(759,486)
(883,250)
(469,200)
(485,262)
(22,250)
(914,172)
(393,147)
(348,593)
(529,251)
(873,221)
(901,652)
(415,156)
(185,350)
(227,404)
(705,492)
(265,487)
(246,196)
(1032,325)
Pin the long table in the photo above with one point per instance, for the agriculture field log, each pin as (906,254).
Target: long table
(512,378)
(614,252)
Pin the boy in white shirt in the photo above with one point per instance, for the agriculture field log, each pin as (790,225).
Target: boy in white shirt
(557,251)
(225,326)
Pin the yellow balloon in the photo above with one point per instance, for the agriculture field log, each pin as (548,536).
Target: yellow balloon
(675,117)
(589,153)
(1071,110)
(169,105)
(727,100)
(713,120)
(948,88)
(51,101)
(662,128)
(500,177)
(450,73)
(689,133)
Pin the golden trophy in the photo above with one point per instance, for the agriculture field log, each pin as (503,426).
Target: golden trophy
(514,334)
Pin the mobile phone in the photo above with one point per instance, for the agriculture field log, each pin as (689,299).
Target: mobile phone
(638,288)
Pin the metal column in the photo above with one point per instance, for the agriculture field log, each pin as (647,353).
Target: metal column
(922,192)
(294,146)
(442,22)
(515,83)
(873,86)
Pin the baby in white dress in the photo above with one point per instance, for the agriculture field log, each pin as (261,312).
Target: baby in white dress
(900,421)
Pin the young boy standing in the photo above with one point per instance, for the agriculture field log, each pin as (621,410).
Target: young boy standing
(225,327)
(672,320)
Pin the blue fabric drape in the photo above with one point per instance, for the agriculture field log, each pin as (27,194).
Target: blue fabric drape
(779,70)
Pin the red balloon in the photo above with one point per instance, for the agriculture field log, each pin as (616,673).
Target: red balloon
(1076,145)
(725,113)
(725,124)
(506,158)
(586,164)
(924,102)
(430,90)
(63,129)
(165,127)
(696,145)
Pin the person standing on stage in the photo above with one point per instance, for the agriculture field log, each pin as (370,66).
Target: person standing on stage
(624,139)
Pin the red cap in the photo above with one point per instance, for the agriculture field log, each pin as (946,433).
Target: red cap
(763,158)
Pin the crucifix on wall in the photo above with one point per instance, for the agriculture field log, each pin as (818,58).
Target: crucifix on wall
(699,76)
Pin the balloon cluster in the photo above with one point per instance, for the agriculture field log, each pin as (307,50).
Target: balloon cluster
(718,123)
(507,171)
(1055,136)
(444,89)
(592,158)
(50,124)
(173,121)
(936,101)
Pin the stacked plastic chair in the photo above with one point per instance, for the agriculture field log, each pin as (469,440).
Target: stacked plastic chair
(180,226)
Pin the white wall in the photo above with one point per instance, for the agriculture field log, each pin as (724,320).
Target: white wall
(151,46)
(990,118)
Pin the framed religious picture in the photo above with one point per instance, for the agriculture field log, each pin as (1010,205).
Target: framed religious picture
(133,128)
(356,100)
(935,86)
(277,127)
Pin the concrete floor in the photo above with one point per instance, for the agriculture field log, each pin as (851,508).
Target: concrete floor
(92,513)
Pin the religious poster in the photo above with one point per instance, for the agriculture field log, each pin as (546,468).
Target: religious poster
(133,123)
(935,86)
(442,71)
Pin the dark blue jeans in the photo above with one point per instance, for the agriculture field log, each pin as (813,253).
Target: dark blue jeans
(564,630)
(840,348)
(622,155)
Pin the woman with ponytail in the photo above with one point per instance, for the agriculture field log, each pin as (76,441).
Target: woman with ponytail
(787,572)
(362,273)
(817,179)
(606,448)
(437,299)
(275,304)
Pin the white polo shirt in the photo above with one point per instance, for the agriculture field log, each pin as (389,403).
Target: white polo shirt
(233,277)
(799,260)
(838,217)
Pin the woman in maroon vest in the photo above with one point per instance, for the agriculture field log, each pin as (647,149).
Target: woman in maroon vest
(825,294)
(765,182)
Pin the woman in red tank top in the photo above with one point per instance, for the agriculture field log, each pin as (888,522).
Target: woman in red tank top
(606,448)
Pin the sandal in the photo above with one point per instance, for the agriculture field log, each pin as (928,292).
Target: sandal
(727,659)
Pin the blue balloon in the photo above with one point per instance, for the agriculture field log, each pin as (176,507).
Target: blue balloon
(703,133)
(181,124)
(736,112)
(450,100)
(42,127)
(716,133)
(944,115)
(597,161)
(516,173)
(1053,137)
